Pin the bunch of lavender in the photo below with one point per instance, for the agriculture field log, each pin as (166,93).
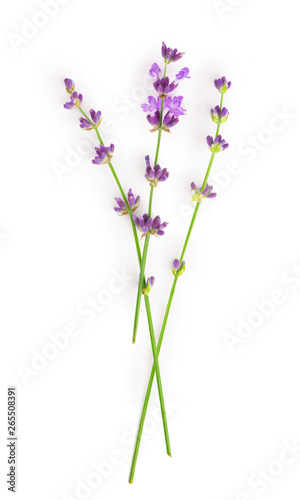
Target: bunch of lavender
(163,111)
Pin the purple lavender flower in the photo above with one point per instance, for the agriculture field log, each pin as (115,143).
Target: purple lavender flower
(200,193)
(222,85)
(149,284)
(183,73)
(178,268)
(170,55)
(156,174)
(154,70)
(173,104)
(219,115)
(216,145)
(104,154)
(86,124)
(76,100)
(143,223)
(158,227)
(89,125)
(154,120)
(70,85)
(147,225)
(133,202)
(163,86)
(169,121)
(154,104)
(96,117)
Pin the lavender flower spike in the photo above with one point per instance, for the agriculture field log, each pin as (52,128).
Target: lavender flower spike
(222,85)
(156,174)
(151,226)
(149,284)
(178,268)
(70,85)
(76,100)
(133,203)
(216,145)
(104,154)
(170,55)
(200,193)
(219,115)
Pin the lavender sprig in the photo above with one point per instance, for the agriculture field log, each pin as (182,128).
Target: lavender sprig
(70,86)
(160,122)
(177,264)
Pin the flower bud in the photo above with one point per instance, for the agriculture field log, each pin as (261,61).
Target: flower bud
(149,284)
(178,268)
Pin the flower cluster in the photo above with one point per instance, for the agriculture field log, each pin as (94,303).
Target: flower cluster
(94,122)
(219,115)
(104,154)
(200,193)
(164,110)
(216,145)
(76,99)
(133,203)
(156,174)
(150,226)
(222,85)
(170,55)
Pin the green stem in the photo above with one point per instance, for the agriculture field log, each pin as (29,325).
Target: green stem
(149,388)
(164,324)
(158,376)
(150,200)
(140,287)
(159,134)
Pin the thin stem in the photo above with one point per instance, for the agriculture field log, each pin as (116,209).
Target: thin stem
(150,200)
(159,134)
(158,376)
(140,287)
(149,388)
(165,319)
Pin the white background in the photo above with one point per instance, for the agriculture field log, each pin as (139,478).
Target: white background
(233,402)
